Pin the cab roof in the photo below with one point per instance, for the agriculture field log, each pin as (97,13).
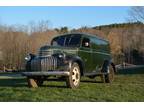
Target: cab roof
(89,35)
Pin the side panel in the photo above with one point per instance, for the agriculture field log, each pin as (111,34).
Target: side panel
(98,59)
(100,52)
(86,56)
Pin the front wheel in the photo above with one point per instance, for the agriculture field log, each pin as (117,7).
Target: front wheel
(73,80)
(109,77)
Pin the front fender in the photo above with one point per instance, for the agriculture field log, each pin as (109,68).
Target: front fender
(77,59)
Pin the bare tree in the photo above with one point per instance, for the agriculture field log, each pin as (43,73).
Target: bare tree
(137,13)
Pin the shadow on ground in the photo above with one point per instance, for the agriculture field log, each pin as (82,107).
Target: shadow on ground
(13,82)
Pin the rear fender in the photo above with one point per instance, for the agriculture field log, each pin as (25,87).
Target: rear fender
(106,65)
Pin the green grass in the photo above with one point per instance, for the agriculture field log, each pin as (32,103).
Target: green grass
(126,87)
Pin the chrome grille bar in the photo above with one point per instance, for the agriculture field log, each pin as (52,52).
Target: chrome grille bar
(44,64)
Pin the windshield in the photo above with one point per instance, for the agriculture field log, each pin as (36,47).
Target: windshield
(72,40)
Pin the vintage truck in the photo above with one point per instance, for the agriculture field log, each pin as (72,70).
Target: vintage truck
(71,56)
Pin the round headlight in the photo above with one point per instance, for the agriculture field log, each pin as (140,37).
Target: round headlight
(61,55)
(28,58)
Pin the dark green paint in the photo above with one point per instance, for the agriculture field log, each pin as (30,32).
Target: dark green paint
(92,57)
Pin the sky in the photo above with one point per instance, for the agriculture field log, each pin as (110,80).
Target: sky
(72,17)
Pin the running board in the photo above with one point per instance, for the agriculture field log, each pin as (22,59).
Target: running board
(94,74)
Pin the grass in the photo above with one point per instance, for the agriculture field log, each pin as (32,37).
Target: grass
(126,87)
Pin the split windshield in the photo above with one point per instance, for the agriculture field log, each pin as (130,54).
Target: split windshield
(72,40)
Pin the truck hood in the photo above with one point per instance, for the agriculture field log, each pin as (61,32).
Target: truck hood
(49,50)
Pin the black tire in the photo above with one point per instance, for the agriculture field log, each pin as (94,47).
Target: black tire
(39,81)
(109,77)
(73,80)
(34,82)
(28,66)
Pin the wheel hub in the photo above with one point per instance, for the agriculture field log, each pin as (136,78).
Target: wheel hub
(75,76)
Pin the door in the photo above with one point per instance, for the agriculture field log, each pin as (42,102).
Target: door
(85,53)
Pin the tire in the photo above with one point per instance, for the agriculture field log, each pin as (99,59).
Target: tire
(28,66)
(39,81)
(109,78)
(34,82)
(73,80)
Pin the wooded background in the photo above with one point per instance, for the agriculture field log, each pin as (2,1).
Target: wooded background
(126,39)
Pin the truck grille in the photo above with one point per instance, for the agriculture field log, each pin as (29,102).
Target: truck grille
(45,53)
(44,64)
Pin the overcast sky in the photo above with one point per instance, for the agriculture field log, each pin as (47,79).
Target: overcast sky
(73,17)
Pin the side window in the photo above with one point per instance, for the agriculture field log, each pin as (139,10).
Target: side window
(58,41)
(75,40)
(86,42)
(99,45)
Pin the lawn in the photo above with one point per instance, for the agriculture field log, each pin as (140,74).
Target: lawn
(128,86)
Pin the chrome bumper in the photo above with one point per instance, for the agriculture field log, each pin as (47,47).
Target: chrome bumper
(47,73)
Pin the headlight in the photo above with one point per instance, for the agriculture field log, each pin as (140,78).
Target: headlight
(61,55)
(28,57)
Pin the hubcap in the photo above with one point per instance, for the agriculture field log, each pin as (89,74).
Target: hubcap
(75,76)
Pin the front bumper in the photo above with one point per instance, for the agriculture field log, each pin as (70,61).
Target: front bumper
(47,73)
